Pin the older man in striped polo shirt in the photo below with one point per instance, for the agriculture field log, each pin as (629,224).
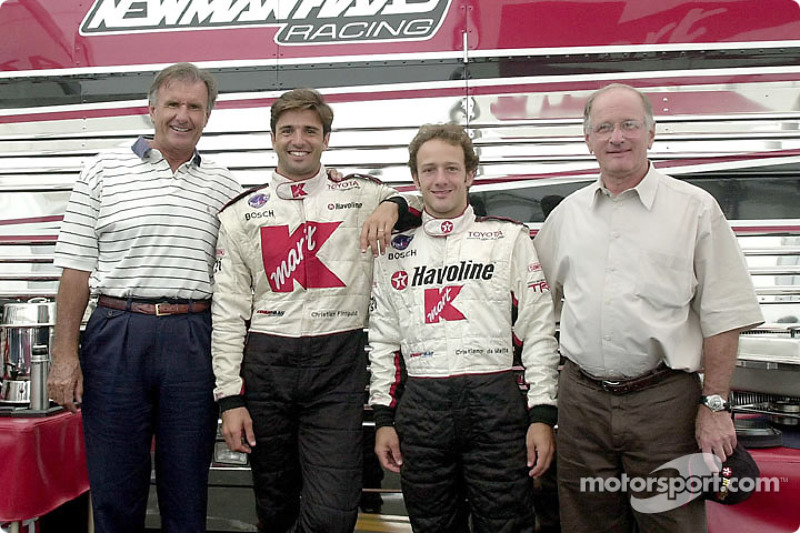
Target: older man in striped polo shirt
(141,230)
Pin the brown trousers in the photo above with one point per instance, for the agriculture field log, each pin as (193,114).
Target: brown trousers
(605,435)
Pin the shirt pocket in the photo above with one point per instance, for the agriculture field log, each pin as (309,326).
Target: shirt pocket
(665,280)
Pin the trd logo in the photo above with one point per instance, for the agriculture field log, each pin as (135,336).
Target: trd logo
(539,286)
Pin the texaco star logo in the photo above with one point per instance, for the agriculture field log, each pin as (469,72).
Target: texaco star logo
(400,280)
(447,226)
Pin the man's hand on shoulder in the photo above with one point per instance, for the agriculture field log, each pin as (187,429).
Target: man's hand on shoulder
(376,233)
(334,175)
(237,428)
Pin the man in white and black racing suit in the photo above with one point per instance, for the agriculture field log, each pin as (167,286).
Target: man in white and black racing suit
(291,297)
(450,301)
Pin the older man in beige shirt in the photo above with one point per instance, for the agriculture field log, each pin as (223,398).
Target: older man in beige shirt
(655,289)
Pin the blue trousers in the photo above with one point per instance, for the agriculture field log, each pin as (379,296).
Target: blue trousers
(147,376)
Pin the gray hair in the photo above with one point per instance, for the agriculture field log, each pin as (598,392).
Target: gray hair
(649,120)
(187,73)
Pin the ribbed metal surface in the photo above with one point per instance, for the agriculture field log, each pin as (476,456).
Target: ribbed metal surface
(728,120)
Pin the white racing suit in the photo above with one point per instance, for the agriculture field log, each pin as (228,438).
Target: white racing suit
(290,265)
(446,299)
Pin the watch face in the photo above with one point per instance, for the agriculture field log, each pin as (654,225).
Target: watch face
(714,402)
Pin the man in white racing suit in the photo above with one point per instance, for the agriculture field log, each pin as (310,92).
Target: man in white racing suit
(291,297)
(451,299)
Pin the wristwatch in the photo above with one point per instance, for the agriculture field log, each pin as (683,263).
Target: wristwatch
(715,402)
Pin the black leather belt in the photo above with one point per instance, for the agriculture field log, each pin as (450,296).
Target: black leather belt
(158,309)
(660,373)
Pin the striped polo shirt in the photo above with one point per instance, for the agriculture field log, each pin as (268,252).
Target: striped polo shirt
(142,230)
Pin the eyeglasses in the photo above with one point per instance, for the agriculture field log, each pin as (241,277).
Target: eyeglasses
(627,126)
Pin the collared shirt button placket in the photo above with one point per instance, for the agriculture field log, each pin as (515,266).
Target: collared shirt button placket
(613,281)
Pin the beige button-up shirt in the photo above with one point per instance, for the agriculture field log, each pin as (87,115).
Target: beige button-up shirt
(644,276)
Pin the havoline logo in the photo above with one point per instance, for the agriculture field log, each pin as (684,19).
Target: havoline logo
(300,21)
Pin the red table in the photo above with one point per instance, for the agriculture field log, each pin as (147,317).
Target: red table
(42,465)
(764,512)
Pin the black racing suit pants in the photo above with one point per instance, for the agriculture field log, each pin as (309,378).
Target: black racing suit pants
(464,438)
(306,398)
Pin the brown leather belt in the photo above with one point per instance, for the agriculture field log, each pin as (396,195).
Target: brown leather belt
(660,373)
(158,309)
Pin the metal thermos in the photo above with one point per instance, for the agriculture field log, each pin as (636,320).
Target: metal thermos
(40,369)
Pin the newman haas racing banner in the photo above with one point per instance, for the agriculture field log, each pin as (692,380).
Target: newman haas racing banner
(299,21)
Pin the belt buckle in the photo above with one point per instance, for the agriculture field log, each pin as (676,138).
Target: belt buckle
(159,312)
(608,386)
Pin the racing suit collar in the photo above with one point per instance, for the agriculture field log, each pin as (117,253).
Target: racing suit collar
(442,227)
(287,189)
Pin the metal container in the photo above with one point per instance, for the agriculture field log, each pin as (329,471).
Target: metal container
(40,370)
(15,392)
(787,413)
(768,363)
(24,325)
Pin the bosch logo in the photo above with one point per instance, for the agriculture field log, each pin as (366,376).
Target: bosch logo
(299,22)
(259,214)
(401,255)
(399,280)
(258,200)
